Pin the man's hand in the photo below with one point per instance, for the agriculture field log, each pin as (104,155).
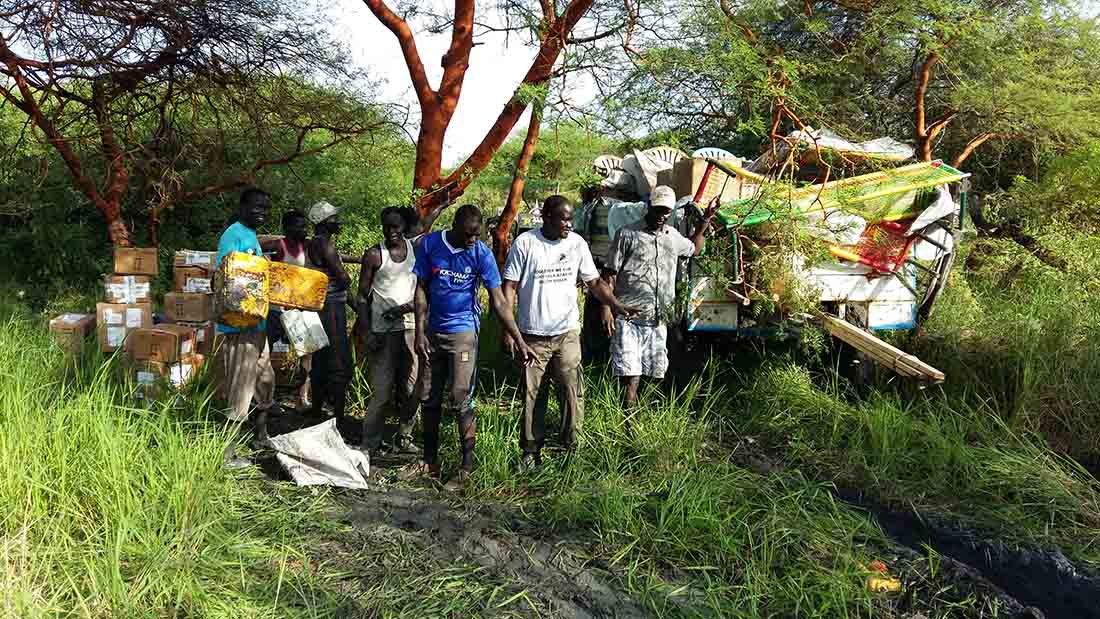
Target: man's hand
(626,311)
(708,215)
(608,318)
(510,345)
(423,346)
(523,355)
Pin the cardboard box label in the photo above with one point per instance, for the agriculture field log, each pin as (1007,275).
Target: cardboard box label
(127,288)
(199,285)
(195,258)
(116,336)
(112,317)
(146,378)
(186,347)
(280,347)
(134,317)
(70,318)
(179,373)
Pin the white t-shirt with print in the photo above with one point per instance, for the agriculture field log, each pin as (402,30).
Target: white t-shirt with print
(547,273)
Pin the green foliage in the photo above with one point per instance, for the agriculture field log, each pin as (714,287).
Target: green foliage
(112,511)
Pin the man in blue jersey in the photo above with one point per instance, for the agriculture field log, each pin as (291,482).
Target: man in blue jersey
(449,267)
(243,355)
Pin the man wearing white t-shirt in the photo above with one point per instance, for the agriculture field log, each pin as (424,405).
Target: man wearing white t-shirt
(543,267)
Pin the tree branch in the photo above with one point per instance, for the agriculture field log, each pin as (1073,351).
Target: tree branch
(972,145)
(920,129)
(400,29)
(457,59)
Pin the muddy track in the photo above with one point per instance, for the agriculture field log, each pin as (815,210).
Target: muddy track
(554,569)
(1025,583)
(1040,579)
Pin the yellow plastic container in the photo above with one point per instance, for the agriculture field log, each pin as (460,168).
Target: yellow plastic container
(241,290)
(296,287)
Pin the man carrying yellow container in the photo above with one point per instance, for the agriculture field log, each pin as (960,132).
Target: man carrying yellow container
(244,362)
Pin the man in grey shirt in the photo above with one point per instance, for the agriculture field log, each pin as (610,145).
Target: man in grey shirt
(641,269)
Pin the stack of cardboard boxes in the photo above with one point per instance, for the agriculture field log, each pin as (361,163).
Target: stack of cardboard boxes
(128,300)
(191,302)
(171,353)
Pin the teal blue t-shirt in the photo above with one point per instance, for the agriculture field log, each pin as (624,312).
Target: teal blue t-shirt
(239,237)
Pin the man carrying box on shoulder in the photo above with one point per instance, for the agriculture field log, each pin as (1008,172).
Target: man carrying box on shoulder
(244,357)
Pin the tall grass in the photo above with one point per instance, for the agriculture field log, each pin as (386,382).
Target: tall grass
(1022,342)
(692,534)
(114,511)
(935,454)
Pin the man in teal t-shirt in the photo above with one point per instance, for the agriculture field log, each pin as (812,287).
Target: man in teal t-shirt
(244,360)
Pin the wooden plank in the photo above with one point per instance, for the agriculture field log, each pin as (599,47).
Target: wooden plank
(881,352)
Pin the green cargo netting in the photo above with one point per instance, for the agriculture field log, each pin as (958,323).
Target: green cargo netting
(888,195)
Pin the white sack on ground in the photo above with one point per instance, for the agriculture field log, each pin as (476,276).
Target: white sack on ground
(317,456)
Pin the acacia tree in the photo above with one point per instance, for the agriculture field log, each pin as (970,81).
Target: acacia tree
(551,27)
(116,86)
(951,75)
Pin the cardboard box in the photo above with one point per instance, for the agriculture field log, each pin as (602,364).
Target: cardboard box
(126,289)
(166,343)
(688,173)
(204,336)
(115,322)
(192,258)
(188,307)
(135,260)
(153,377)
(191,279)
(71,330)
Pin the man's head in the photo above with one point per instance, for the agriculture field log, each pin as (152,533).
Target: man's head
(557,218)
(413,225)
(254,205)
(294,225)
(661,203)
(325,218)
(466,228)
(393,225)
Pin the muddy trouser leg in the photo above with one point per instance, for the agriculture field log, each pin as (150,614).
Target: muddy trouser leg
(408,381)
(463,367)
(565,366)
(532,431)
(432,411)
(247,374)
(383,367)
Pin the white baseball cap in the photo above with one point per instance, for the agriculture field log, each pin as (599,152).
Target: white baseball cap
(321,211)
(663,195)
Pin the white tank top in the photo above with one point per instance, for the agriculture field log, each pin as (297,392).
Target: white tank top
(394,284)
(298,259)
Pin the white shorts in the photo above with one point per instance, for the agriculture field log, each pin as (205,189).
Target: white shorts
(639,350)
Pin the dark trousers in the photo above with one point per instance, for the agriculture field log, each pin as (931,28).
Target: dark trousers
(333,368)
(454,362)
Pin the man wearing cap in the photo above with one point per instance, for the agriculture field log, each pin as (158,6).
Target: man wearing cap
(332,366)
(641,269)
(243,357)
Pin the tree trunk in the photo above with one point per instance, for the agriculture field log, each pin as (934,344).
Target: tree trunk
(502,241)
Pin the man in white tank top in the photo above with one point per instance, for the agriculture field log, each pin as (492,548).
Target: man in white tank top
(387,331)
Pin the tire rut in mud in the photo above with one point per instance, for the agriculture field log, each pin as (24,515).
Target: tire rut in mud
(554,570)
(1042,579)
